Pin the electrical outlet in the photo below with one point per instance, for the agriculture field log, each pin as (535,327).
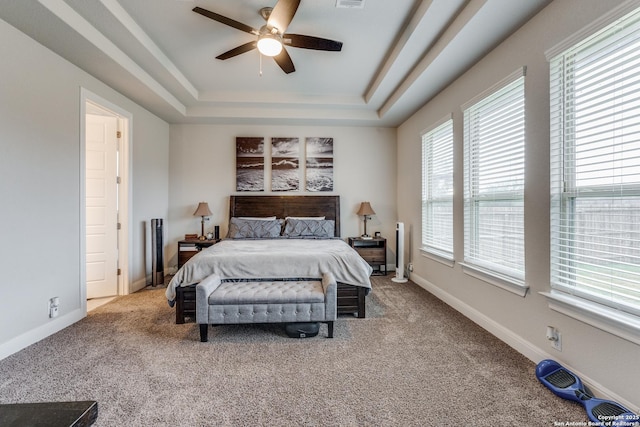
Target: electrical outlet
(557,343)
(555,337)
(54,303)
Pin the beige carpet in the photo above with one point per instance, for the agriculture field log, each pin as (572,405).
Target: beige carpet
(412,362)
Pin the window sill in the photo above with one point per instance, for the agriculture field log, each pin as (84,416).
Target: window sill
(507,283)
(618,323)
(442,259)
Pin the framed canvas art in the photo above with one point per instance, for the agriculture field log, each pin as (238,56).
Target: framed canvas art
(285,164)
(319,165)
(249,164)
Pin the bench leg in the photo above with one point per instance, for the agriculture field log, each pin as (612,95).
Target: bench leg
(330,329)
(204,332)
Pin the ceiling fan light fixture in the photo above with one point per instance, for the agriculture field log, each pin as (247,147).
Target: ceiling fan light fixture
(269,45)
(270,37)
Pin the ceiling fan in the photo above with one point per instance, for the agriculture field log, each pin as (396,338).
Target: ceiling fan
(272,38)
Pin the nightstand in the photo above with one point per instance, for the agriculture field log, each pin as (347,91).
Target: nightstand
(374,251)
(189,247)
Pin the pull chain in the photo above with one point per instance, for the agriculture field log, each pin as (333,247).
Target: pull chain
(260,55)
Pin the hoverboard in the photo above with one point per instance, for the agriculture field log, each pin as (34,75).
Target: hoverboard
(566,384)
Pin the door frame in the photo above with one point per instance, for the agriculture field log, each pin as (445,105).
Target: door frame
(125,199)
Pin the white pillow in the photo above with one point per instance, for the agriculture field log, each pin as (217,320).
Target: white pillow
(313,218)
(261,218)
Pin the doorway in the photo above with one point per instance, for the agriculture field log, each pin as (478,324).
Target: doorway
(105,199)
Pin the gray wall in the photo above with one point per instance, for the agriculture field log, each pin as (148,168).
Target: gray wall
(40,186)
(606,361)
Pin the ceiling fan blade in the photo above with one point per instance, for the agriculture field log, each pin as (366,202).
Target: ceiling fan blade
(282,14)
(311,42)
(224,20)
(238,50)
(284,61)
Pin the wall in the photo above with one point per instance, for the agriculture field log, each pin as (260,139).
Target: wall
(202,168)
(150,191)
(40,186)
(607,363)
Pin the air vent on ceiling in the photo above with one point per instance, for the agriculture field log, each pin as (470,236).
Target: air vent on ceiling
(352,4)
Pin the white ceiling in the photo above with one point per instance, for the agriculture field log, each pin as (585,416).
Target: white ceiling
(396,55)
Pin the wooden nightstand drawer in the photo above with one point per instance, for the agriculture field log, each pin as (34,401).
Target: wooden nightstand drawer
(372,254)
(373,251)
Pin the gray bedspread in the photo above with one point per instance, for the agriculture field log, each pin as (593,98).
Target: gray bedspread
(274,258)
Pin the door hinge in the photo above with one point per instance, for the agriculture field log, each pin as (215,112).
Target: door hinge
(119,226)
(118,181)
(119,272)
(118,134)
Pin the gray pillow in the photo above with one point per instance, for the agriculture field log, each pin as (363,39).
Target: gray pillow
(252,228)
(309,228)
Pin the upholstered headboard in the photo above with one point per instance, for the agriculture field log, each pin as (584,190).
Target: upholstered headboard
(284,206)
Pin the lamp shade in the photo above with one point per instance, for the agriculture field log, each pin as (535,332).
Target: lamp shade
(365,209)
(203,210)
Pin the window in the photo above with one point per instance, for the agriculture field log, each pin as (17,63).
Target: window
(494,183)
(595,168)
(437,190)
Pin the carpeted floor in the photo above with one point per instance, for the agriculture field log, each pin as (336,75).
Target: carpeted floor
(412,362)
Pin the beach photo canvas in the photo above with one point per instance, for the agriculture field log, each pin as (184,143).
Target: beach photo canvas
(249,164)
(319,165)
(285,164)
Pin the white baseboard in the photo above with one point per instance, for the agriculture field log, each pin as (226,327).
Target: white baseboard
(138,284)
(143,283)
(20,342)
(518,343)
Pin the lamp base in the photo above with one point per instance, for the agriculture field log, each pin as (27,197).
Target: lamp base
(365,236)
(202,238)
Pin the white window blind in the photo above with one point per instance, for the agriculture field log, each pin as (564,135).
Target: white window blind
(494,180)
(595,167)
(437,190)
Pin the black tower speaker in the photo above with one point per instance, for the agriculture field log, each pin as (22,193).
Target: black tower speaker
(157,258)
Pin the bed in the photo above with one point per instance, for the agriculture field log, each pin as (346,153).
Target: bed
(262,258)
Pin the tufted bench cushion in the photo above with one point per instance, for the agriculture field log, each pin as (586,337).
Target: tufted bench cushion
(273,301)
(295,291)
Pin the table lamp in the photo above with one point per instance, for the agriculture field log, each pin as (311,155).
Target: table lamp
(365,210)
(202,211)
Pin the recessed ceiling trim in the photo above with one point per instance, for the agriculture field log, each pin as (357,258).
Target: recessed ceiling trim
(307,115)
(70,17)
(136,31)
(277,98)
(463,18)
(398,47)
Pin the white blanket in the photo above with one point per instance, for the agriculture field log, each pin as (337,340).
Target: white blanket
(273,259)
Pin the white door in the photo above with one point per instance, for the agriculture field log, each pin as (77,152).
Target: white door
(101,205)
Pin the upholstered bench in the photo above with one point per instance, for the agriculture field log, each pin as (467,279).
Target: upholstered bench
(276,301)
